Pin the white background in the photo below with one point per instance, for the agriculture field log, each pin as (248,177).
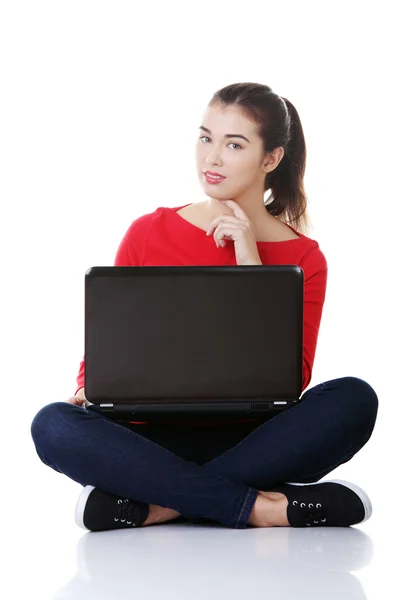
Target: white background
(100,107)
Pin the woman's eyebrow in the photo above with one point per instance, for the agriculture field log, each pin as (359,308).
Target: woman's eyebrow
(227,135)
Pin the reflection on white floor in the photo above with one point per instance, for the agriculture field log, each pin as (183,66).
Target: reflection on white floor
(210,561)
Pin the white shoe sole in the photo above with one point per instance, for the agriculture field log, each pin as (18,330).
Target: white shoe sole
(360,493)
(80,506)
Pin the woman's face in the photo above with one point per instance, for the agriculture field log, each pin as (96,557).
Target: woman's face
(239,160)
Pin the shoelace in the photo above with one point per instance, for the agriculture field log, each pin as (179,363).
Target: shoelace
(308,514)
(126,512)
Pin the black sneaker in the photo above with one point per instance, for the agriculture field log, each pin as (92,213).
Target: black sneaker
(334,503)
(98,510)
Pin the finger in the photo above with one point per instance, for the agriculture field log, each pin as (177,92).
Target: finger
(227,230)
(219,220)
(218,236)
(75,400)
(223,231)
(238,211)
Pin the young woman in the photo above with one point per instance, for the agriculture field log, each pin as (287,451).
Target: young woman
(243,472)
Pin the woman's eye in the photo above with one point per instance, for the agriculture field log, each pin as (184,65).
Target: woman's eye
(204,136)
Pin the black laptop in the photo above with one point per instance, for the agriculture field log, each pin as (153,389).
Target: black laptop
(180,341)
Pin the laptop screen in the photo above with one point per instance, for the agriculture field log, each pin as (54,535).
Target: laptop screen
(193,333)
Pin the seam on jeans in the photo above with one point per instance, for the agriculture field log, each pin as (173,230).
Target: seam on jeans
(244,504)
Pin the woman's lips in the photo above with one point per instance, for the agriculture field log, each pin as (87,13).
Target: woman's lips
(213,179)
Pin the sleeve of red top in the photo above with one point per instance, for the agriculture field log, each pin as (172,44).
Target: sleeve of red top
(315,269)
(126,256)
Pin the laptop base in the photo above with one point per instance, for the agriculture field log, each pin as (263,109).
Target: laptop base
(189,409)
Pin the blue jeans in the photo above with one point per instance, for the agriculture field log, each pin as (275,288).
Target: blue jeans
(209,473)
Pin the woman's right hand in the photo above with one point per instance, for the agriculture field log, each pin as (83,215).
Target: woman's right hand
(79,398)
(76,400)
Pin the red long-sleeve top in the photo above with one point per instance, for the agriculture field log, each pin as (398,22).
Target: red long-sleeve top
(164,238)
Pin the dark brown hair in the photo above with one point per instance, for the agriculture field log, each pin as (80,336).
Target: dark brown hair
(278,124)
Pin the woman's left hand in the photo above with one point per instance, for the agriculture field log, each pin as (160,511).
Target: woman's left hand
(239,230)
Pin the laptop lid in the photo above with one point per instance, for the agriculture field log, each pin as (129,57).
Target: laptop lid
(193,338)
